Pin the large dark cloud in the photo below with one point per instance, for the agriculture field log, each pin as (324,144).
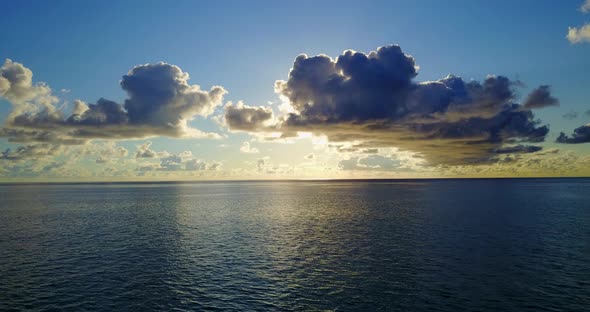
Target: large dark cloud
(373,99)
(160,102)
(580,135)
(352,88)
(159,94)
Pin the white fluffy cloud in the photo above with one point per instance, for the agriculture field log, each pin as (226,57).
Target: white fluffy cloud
(26,97)
(579,34)
(246,148)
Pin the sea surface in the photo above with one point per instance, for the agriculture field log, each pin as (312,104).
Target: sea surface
(422,245)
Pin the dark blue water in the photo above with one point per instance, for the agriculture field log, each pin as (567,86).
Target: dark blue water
(456,245)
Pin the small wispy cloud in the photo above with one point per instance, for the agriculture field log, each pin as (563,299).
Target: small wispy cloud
(570,115)
(246,148)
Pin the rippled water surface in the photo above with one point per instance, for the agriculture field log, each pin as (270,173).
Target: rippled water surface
(456,245)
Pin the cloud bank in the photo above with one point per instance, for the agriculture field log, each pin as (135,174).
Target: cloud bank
(373,100)
(160,102)
(371,162)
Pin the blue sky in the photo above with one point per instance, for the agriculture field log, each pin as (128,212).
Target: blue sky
(86,47)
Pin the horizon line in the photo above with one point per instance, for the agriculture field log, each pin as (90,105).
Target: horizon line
(284,180)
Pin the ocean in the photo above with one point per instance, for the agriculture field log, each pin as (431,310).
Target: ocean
(406,245)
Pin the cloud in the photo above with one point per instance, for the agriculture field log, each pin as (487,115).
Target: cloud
(260,164)
(144,151)
(16,85)
(372,99)
(184,161)
(34,151)
(371,162)
(109,151)
(550,162)
(309,156)
(581,34)
(186,154)
(44,159)
(102,160)
(160,102)
(26,97)
(178,163)
(196,165)
(36,160)
(570,115)
(577,35)
(265,166)
(171,163)
(540,98)
(53,166)
(104,112)
(517,149)
(247,118)
(246,148)
(201,165)
(159,95)
(369,151)
(348,148)
(104,152)
(79,107)
(580,135)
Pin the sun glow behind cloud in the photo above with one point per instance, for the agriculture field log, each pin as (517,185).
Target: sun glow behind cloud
(54,150)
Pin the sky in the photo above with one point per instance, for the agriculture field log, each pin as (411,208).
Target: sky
(148,90)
